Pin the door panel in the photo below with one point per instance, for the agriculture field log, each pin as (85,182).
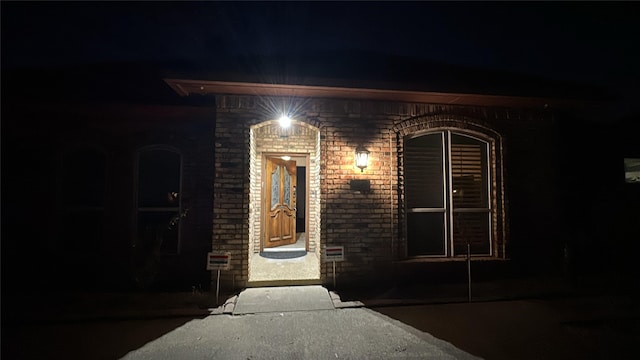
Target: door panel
(280,197)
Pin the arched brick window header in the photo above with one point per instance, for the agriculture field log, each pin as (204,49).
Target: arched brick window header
(426,123)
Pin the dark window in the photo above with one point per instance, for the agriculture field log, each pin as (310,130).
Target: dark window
(158,217)
(447,195)
(159,178)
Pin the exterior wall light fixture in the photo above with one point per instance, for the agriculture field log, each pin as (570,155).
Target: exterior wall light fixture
(362,158)
(284,121)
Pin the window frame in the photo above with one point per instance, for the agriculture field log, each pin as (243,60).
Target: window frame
(448,210)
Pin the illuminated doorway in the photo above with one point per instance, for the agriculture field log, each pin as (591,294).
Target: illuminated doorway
(284,206)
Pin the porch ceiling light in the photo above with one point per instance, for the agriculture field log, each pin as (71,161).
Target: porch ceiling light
(284,121)
(362,158)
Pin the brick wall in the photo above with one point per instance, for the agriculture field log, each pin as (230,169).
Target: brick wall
(367,224)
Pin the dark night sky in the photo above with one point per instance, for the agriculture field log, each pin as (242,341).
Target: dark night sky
(590,42)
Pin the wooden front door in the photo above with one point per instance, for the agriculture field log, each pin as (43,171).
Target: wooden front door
(280,197)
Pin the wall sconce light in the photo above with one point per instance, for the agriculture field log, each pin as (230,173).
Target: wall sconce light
(362,158)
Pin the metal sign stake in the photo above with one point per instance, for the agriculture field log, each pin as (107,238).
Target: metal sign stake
(218,288)
(218,260)
(333,254)
(469,269)
(334,275)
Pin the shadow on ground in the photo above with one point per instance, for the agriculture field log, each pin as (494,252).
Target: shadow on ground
(92,325)
(104,339)
(547,318)
(580,328)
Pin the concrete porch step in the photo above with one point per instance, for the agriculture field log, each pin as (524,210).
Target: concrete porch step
(283,299)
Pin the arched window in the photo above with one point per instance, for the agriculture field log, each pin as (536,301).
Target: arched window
(158,200)
(448,194)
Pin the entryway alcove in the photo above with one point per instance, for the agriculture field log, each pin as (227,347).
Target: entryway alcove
(284,204)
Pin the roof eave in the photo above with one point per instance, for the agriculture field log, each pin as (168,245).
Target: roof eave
(206,87)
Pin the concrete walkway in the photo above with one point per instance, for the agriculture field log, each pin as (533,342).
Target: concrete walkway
(305,322)
(507,322)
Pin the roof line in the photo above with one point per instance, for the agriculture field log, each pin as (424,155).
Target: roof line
(204,87)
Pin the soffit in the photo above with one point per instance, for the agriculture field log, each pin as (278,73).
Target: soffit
(185,87)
